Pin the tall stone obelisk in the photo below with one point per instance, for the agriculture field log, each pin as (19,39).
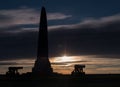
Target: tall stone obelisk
(42,65)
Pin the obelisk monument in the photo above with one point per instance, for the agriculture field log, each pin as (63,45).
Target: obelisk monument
(42,64)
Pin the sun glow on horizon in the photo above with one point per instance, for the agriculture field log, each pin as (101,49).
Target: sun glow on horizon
(63,59)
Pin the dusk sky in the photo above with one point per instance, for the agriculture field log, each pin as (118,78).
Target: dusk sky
(83,29)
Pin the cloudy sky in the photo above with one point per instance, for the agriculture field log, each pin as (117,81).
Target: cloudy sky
(76,27)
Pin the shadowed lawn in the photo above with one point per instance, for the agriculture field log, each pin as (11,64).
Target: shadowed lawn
(66,81)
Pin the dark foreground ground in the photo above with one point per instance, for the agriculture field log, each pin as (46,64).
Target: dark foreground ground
(104,80)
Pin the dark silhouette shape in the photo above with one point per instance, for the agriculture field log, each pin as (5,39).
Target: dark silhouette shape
(42,65)
(78,70)
(13,71)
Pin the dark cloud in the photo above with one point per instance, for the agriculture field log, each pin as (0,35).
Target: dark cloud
(4,18)
(78,42)
(90,37)
(17,45)
(15,63)
(66,63)
(8,63)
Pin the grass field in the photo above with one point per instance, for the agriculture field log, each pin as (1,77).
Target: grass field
(94,80)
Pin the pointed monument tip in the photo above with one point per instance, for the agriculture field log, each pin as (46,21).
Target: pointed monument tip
(43,8)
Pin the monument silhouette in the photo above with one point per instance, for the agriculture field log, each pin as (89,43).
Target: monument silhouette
(42,64)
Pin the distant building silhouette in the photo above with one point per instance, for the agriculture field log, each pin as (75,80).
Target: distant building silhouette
(42,65)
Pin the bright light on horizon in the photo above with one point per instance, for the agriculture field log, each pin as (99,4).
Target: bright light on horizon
(63,59)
